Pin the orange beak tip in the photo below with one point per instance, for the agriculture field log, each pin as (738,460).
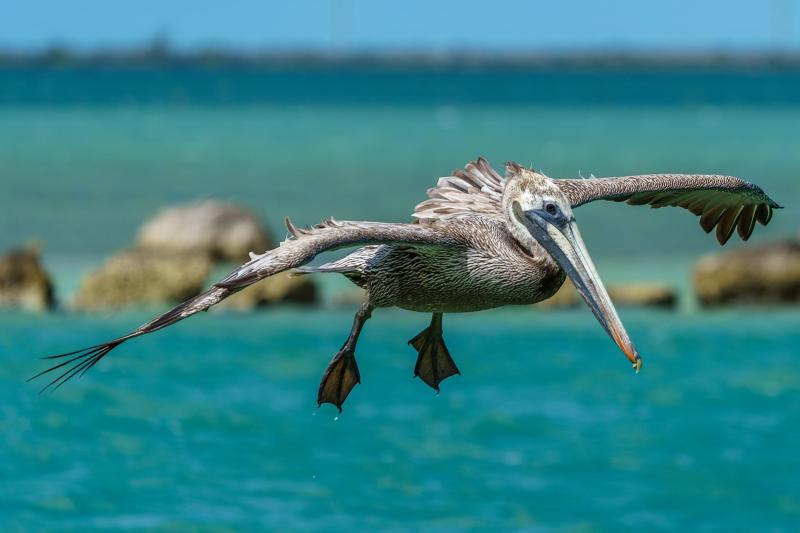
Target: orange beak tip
(637,364)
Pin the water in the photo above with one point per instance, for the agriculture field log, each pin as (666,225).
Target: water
(100,165)
(400,85)
(212,425)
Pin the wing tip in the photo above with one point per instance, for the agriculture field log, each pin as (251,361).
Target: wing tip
(83,360)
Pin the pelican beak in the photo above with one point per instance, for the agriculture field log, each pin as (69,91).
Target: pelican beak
(564,243)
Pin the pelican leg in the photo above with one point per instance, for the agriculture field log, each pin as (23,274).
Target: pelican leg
(342,373)
(434,363)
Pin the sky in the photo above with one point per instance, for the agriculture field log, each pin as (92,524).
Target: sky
(406,25)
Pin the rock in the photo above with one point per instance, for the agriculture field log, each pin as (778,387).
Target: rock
(622,295)
(138,278)
(281,288)
(765,274)
(24,283)
(225,232)
(643,295)
(174,255)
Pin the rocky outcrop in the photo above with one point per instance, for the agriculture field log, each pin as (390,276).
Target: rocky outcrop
(174,255)
(24,283)
(768,274)
(622,295)
(643,295)
(141,278)
(224,232)
(281,288)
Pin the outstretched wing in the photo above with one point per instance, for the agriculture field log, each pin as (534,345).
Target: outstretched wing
(300,248)
(724,202)
(476,189)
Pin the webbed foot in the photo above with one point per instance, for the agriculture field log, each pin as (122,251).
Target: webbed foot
(339,379)
(342,373)
(434,363)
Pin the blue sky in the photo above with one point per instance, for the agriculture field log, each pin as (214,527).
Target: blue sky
(430,26)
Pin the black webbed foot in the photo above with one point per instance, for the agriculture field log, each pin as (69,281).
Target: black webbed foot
(342,373)
(339,379)
(434,363)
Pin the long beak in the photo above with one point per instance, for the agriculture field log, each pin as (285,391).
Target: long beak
(566,246)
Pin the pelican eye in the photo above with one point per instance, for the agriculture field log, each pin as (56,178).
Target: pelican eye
(551,208)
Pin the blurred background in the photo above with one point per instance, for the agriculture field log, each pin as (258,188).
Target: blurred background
(145,147)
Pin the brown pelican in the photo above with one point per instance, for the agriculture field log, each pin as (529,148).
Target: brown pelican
(479,241)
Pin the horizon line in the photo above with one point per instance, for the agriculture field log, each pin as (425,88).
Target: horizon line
(159,52)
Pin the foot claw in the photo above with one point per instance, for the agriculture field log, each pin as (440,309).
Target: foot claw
(339,379)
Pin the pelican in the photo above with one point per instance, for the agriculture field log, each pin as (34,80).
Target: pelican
(479,241)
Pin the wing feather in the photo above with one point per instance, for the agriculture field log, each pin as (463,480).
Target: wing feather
(711,216)
(724,202)
(300,248)
(475,189)
(747,222)
(727,223)
(764,214)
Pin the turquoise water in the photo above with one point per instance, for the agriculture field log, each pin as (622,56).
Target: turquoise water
(99,151)
(99,172)
(212,425)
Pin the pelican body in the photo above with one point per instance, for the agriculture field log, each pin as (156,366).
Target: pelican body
(478,242)
(483,268)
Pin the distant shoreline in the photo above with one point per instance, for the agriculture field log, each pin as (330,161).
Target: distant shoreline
(160,55)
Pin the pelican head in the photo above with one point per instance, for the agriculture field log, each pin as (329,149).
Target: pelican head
(536,208)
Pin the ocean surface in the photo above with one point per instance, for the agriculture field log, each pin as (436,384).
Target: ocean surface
(86,156)
(212,425)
